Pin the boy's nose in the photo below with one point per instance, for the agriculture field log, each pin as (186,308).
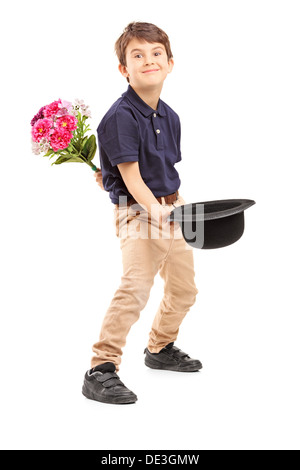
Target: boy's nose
(149,61)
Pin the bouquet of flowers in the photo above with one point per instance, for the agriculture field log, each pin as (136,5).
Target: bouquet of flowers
(59,131)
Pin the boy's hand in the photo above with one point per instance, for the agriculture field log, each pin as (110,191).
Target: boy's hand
(161,215)
(99,180)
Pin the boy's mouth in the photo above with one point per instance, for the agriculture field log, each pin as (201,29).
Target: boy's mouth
(150,71)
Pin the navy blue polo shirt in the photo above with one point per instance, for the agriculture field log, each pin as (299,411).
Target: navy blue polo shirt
(131,131)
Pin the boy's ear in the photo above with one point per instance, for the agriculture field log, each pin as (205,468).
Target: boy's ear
(123,70)
(171,65)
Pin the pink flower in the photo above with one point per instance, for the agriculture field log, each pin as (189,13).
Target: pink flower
(41,129)
(60,139)
(65,108)
(38,116)
(52,108)
(67,122)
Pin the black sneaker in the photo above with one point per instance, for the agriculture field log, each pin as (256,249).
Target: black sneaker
(171,358)
(104,385)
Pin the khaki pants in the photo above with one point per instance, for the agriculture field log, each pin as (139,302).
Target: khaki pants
(143,257)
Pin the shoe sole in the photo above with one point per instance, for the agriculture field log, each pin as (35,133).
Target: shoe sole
(176,368)
(116,401)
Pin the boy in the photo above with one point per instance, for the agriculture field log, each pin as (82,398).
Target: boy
(139,144)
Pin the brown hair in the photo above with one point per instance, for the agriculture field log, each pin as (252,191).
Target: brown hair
(144,31)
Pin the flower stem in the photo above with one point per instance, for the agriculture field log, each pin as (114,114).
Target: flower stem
(93,167)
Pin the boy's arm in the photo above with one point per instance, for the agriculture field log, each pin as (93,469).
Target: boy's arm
(135,184)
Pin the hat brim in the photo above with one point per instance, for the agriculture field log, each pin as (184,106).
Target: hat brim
(212,224)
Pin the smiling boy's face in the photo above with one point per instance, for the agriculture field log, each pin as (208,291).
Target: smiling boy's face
(147,64)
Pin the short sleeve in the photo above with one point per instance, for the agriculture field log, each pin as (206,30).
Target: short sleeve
(119,137)
(178,142)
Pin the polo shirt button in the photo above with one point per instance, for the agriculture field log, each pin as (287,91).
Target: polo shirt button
(158,131)
(154,115)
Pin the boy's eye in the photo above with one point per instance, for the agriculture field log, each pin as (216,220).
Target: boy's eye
(139,56)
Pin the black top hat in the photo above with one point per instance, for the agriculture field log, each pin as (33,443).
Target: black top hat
(212,224)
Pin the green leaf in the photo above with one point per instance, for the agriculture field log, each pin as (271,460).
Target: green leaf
(77,145)
(69,158)
(90,148)
(77,159)
(61,160)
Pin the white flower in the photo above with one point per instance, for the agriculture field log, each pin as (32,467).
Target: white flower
(44,145)
(73,111)
(79,103)
(87,113)
(84,108)
(36,149)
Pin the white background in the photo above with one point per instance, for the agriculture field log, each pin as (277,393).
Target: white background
(236,88)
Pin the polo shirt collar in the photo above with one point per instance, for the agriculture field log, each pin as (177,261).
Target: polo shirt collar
(143,107)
